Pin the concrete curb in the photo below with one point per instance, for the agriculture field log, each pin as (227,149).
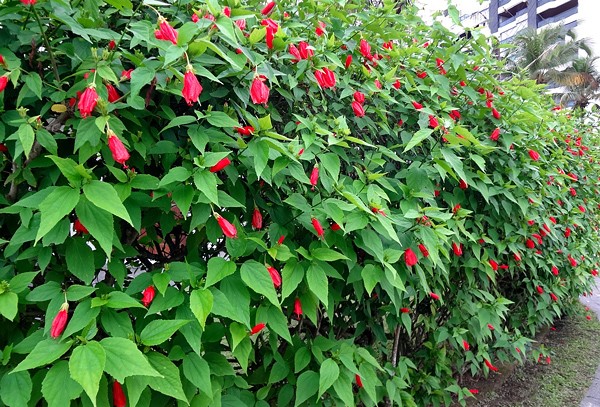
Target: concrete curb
(592,397)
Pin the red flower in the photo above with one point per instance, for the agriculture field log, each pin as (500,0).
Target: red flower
(534,155)
(462,83)
(490,326)
(365,49)
(227,11)
(256,219)
(113,94)
(434,296)
(126,74)
(493,264)
(165,31)
(433,122)
(495,134)
(594,272)
(314,176)
(455,115)
(555,270)
(119,399)
(335,227)
(529,243)
(224,162)
(517,256)
(244,131)
(490,366)
(268,8)
(588,317)
(462,184)
(359,111)
(87,101)
(297,307)
(422,74)
(377,84)
(60,321)
(270,35)
(241,24)
(474,391)
(195,18)
(305,50)
(410,258)
(554,297)
(112,44)
(79,228)
(148,295)
(295,53)
(423,250)
(581,208)
(389,45)
(531,222)
(275,276)
(405,310)
(317,226)
(280,240)
(539,289)
(359,97)
(397,84)
(456,208)
(3,148)
(359,382)
(567,232)
(257,328)
(259,92)
(457,249)
(572,191)
(191,86)
(320,29)
(228,229)
(416,105)
(466,345)
(28,2)
(495,113)
(118,150)
(348,61)
(325,78)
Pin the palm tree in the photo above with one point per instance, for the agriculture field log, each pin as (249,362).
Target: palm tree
(581,82)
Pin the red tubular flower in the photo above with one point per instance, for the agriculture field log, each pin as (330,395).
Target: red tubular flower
(270,35)
(228,229)
(539,289)
(581,208)
(493,264)
(165,31)
(256,219)
(227,11)
(433,122)
(495,113)
(320,29)
(397,84)
(555,270)
(3,148)
(314,176)
(113,94)
(365,49)
(259,92)
(359,382)
(466,345)
(148,295)
(191,86)
(241,24)
(457,249)
(126,74)
(118,150)
(280,240)
(534,155)
(405,310)
(275,276)
(325,78)
(495,134)
(28,2)
(594,272)
(87,101)
(358,109)
(112,44)
(434,296)
(79,228)
(195,18)
(60,321)
(317,226)
(335,227)
(423,250)
(377,84)
(257,328)
(517,256)
(359,97)
(245,131)
(268,8)
(530,244)
(572,191)
(422,74)
(119,399)
(474,391)
(410,258)
(224,162)
(305,50)
(417,105)
(567,232)
(455,115)
(554,297)
(295,53)
(490,366)
(348,61)
(491,327)
(462,184)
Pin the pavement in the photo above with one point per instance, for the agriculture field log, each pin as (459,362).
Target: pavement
(592,397)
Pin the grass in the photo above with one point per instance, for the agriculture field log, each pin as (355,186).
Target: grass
(564,382)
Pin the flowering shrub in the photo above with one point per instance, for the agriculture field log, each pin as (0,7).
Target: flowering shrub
(274,204)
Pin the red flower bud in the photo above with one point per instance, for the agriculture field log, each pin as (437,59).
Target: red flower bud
(191,86)
(79,228)
(490,326)
(275,276)
(228,229)
(410,258)
(534,155)
(466,345)
(554,297)
(112,44)
(245,131)
(359,111)
(359,97)
(118,150)
(257,219)
(318,227)
(474,391)
(126,74)
(455,115)
(490,366)
(3,82)
(539,289)
(457,249)
(297,307)
(433,122)
(325,78)
(257,328)
(119,399)
(529,243)
(259,92)
(314,177)
(463,184)
(365,49)
(165,31)
(434,296)
(227,11)
(60,321)
(495,113)
(555,270)
(423,250)
(422,74)
(359,382)
(416,105)
(404,310)
(320,29)
(348,61)
(148,295)
(224,162)
(335,227)
(567,232)
(517,256)
(87,101)
(495,134)
(493,264)
(113,94)
(241,24)
(281,239)
(28,2)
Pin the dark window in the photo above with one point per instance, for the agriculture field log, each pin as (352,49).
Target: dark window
(557,14)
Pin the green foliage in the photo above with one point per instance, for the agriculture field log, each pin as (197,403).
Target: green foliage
(348,321)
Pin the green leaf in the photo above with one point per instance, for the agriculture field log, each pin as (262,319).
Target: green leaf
(121,4)
(328,374)
(77,292)
(170,383)
(256,276)
(317,282)
(119,300)
(278,323)
(331,163)
(343,388)
(34,83)
(291,275)
(57,205)
(197,371)
(179,121)
(158,331)
(307,386)
(176,174)
(124,359)
(206,182)
(201,303)
(86,366)
(72,171)
(98,222)
(80,259)
(140,77)
(46,351)
(58,388)
(417,138)
(9,305)
(301,359)
(238,333)
(218,269)
(103,195)
(221,119)
(26,137)
(325,254)
(16,389)
(83,315)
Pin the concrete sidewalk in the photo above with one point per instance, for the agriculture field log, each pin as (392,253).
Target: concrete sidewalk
(592,398)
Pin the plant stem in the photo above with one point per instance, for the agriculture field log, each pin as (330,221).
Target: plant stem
(52,59)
